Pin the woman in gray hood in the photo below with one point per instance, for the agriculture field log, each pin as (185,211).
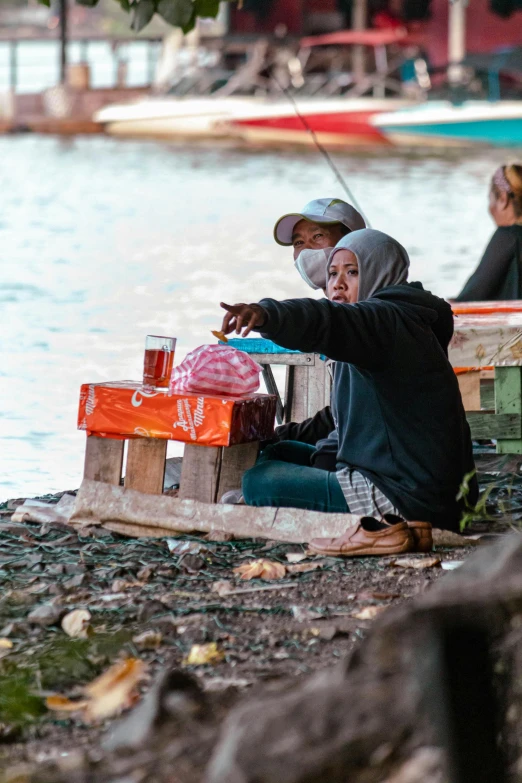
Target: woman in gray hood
(402,444)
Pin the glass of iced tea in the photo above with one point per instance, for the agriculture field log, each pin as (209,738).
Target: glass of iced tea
(159,358)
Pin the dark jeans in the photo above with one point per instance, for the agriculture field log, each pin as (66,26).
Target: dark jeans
(283,476)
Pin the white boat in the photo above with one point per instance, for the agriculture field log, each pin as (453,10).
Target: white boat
(336,121)
(442,124)
(170,118)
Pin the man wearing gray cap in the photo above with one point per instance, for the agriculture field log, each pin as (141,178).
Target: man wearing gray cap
(313,233)
(315,229)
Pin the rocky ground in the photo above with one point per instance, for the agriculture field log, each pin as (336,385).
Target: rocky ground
(72,607)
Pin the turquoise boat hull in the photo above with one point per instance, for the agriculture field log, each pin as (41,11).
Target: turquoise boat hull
(442,124)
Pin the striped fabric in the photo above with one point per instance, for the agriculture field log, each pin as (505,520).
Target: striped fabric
(363,497)
(216,369)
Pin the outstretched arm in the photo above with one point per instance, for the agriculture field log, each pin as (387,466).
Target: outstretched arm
(362,333)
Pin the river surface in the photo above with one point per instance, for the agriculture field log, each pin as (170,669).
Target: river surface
(103,242)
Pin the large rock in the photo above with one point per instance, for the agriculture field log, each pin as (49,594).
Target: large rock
(366,719)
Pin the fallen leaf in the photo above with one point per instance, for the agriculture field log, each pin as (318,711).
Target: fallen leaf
(301,614)
(451,565)
(76,623)
(222,587)
(201,654)
(5,644)
(191,564)
(261,569)
(145,573)
(448,538)
(63,704)
(369,612)
(369,595)
(295,557)
(115,689)
(219,535)
(148,640)
(120,585)
(302,568)
(45,614)
(177,547)
(325,631)
(75,581)
(417,562)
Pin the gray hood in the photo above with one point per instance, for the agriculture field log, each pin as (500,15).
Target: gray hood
(382,260)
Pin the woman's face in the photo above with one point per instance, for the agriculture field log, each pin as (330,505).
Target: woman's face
(501,208)
(343,278)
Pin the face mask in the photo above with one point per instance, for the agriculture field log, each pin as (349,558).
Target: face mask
(311,265)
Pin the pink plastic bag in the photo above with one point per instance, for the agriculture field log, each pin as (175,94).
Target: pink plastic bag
(216,369)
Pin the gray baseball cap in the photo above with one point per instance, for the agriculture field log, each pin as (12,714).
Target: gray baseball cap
(325,211)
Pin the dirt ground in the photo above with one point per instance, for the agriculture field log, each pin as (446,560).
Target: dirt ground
(153,600)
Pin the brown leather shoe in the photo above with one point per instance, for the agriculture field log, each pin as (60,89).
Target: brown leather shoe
(367,537)
(421,532)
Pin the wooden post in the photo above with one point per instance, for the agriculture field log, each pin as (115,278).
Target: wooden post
(13,66)
(235,461)
(63,41)
(145,467)
(103,459)
(469,385)
(308,390)
(359,22)
(200,473)
(508,399)
(456,39)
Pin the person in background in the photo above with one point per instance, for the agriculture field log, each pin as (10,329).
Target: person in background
(499,274)
(402,442)
(313,233)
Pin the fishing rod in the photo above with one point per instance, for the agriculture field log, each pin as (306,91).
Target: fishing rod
(324,152)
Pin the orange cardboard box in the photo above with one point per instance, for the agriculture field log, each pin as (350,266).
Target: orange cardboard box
(122,409)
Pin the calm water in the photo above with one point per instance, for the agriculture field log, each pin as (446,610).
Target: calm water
(103,242)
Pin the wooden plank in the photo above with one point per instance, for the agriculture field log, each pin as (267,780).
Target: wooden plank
(469,385)
(200,473)
(486,424)
(100,503)
(297,394)
(487,394)
(103,459)
(308,391)
(235,461)
(319,387)
(297,359)
(508,399)
(145,467)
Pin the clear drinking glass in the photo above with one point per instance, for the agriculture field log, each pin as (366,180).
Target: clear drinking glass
(159,359)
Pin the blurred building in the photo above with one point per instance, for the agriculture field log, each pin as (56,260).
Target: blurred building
(490,24)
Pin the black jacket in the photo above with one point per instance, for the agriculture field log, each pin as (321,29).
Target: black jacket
(499,274)
(400,419)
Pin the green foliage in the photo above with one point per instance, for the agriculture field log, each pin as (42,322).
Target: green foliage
(141,14)
(19,705)
(182,13)
(178,13)
(473,513)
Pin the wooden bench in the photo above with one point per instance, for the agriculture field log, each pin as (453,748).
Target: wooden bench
(207,473)
(115,414)
(307,383)
(489,345)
